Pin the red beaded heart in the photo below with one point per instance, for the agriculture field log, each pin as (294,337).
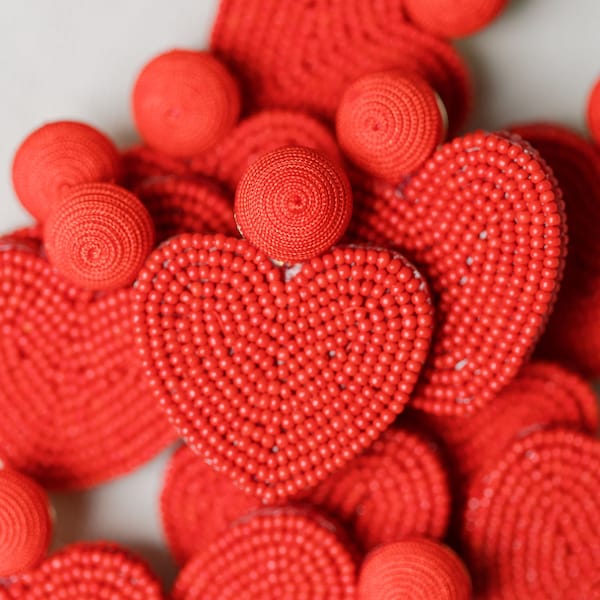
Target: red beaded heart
(279,376)
(484,219)
(75,409)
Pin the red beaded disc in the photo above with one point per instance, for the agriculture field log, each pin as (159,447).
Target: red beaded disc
(530,521)
(274,555)
(25,523)
(542,395)
(260,133)
(184,102)
(573,335)
(57,157)
(453,18)
(390,123)
(187,205)
(98,236)
(198,504)
(484,218)
(75,409)
(398,488)
(89,571)
(303,55)
(293,203)
(279,376)
(593,112)
(415,569)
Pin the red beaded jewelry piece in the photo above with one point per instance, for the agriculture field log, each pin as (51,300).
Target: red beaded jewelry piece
(94,571)
(397,489)
(593,112)
(75,409)
(185,102)
(187,205)
(571,331)
(276,376)
(484,218)
(293,203)
(453,18)
(25,523)
(543,394)
(529,520)
(271,556)
(419,569)
(390,123)
(260,133)
(98,236)
(57,157)
(304,55)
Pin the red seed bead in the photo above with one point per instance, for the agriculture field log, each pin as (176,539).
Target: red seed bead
(272,556)
(98,236)
(593,112)
(94,571)
(57,157)
(528,522)
(184,102)
(293,203)
(25,523)
(419,569)
(390,123)
(453,18)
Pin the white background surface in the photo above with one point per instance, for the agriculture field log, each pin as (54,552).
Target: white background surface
(77,59)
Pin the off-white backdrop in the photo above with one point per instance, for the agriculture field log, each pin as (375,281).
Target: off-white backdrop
(77,59)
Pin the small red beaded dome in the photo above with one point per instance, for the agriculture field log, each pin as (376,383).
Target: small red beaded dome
(390,123)
(273,555)
(184,102)
(453,18)
(98,236)
(415,569)
(25,523)
(593,112)
(57,157)
(90,571)
(293,204)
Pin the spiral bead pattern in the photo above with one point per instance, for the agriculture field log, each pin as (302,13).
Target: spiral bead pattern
(57,157)
(293,204)
(271,556)
(184,102)
(593,112)
(390,123)
(25,523)
(99,236)
(418,569)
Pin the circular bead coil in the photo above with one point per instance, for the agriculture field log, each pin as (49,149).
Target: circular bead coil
(593,112)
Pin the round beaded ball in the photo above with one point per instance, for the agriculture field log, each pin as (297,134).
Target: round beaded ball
(57,157)
(593,112)
(293,203)
(25,523)
(390,123)
(98,236)
(184,102)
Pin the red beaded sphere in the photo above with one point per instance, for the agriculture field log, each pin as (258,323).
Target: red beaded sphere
(57,157)
(390,123)
(98,236)
(293,203)
(25,523)
(593,112)
(184,102)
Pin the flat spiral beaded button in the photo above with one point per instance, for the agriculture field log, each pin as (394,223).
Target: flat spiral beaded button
(184,102)
(25,523)
(390,123)
(593,112)
(57,157)
(293,203)
(271,556)
(99,236)
(528,525)
(279,376)
(419,569)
